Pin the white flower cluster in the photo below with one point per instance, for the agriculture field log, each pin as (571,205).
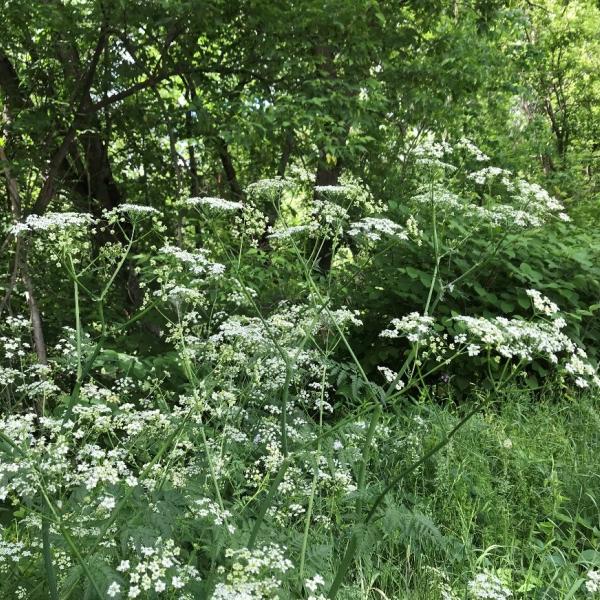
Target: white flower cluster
(340,317)
(134,213)
(241,295)
(487,586)
(428,147)
(486,174)
(11,552)
(250,223)
(414,326)
(197,262)
(442,198)
(329,215)
(205,508)
(53,221)
(137,209)
(412,228)
(31,380)
(336,191)
(312,585)
(530,205)
(254,573)
(214,203)
(430,153)
(535,197)
(153,569)
(65,454)
(16,322)
(525,214)
(391,377)
(472,149)
(505,215)
(592,584)
(541,303)
(529,197)
(14,347)
(515,338)
(581,370)
(287,232)
(8,376)
(288,325)
(269,188)
(374,228)
(39,384)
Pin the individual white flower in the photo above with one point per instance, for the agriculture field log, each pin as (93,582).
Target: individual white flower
(473,349)
(123,566)
(113,589)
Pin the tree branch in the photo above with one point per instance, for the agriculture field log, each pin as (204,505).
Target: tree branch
(48,188)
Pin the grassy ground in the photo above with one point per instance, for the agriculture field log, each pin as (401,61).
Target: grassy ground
(514,493)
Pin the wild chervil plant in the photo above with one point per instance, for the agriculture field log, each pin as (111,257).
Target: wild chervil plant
(249,453)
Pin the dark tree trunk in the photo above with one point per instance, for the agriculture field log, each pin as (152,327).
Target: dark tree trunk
(228,168)
(327,174)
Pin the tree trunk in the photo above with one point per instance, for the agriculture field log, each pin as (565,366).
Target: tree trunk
(327,174)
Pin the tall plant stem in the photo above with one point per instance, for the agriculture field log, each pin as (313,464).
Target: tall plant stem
(48,564)
(313,485)
(436,250)
(77,322)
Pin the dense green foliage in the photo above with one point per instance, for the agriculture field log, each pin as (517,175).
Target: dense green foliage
(299,299)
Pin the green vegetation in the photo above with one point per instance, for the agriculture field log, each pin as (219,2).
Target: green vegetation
(299,300)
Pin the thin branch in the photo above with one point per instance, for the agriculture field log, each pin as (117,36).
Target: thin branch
(21,266)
